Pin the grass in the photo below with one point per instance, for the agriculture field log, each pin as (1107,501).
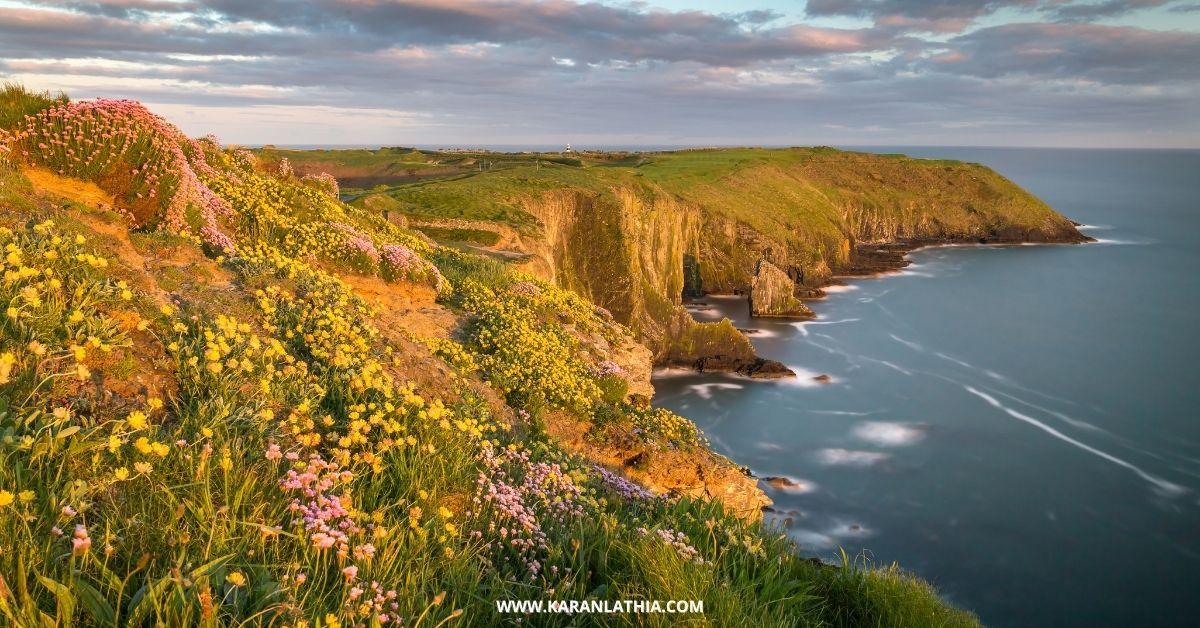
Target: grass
(255,452)
(16,103)
(451,234)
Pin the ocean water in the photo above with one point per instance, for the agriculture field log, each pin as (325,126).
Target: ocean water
(1019,425)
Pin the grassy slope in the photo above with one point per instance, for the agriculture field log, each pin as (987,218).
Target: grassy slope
(806,188)
(151,385)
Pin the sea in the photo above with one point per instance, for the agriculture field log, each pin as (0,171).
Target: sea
(1018,425)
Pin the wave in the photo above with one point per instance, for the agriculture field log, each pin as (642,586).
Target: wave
(908,343)
(705,391)
(835,288)
(889,433)
(805,378)
(1116,242)
(840,412)
(837,456)
(803,325)
(760,333)
(1169,489)
(953,359)
(891,365)
(1069,420)
(831,537)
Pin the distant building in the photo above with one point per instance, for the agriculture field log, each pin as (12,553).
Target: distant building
(568,148)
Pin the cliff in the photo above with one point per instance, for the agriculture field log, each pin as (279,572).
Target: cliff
(635,236)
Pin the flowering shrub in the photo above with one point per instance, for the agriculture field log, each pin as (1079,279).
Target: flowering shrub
(131,153)
(324,182)
(359,251)
(535,365)
(520,498)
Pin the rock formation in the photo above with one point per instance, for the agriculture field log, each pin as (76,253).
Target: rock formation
(773,293)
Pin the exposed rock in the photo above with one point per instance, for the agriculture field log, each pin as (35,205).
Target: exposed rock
(773,293)
(786,484)
(697,472)
(824,378)
(763,368)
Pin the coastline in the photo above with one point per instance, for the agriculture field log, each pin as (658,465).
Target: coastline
(870,261)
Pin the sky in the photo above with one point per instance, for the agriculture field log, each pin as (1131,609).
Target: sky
(1072,73)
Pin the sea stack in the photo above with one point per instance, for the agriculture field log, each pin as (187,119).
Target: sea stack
(773,293)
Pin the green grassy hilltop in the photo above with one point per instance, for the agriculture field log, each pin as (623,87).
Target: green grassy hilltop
(229,398)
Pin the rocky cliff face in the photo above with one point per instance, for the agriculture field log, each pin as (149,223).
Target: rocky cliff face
(624,250)
(773,293)
(635,245)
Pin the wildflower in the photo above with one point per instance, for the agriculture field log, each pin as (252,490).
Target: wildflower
(154,403)
(26,496)
(122,473)
(37,348)
(136,420)
(6,364)
(142,467)
(351,572)
(6,498)
(235,578)
(68,512)
(80,541)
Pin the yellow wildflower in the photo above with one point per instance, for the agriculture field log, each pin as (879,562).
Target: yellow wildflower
(6,498)
(7,359)
(235,578)
(136,420)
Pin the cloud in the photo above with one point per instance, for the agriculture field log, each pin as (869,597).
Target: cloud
(518,71)
(1080,52)
(957,15)
(930,15)
(1109,8)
